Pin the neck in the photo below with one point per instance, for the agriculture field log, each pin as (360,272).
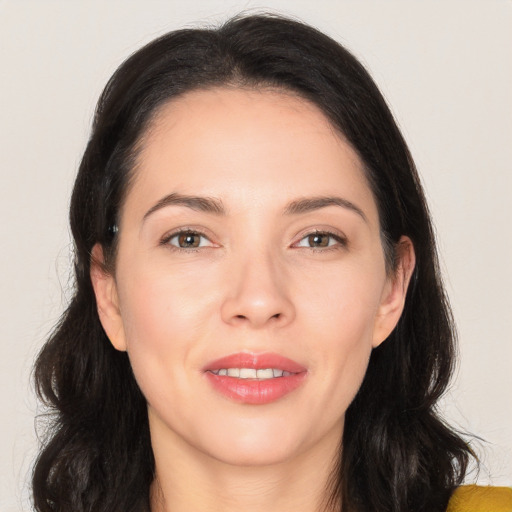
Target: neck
(187,479)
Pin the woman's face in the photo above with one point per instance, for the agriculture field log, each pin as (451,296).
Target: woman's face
(249,240)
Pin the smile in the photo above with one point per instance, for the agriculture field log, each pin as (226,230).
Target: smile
(252,373)
(254,379)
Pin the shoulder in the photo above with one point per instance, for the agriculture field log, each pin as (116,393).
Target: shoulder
(474,498)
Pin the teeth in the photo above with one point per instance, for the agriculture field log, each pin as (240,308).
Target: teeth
(248,373)
(268,373)
(252,373)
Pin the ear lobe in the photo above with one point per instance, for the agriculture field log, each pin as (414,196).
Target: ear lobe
(107,300)
(395,291)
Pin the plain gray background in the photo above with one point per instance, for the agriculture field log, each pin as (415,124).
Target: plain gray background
(445,68)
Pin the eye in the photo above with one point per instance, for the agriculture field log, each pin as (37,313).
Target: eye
(187,240)
(321,240)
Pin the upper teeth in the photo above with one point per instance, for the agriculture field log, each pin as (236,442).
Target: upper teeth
(252,373)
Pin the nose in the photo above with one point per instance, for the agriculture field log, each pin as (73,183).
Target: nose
(257,293)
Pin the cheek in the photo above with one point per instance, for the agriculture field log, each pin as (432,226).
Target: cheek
(344,302)
(164,319)
(160,305)
(342,313)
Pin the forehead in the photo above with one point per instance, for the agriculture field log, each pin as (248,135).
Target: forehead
(251,146)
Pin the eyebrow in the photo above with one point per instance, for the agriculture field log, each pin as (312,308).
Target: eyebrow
(215,206)
(201,204)
(309,204)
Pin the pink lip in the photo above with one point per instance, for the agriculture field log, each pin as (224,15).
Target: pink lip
(253,391)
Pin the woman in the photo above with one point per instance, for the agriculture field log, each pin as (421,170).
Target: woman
(259,321)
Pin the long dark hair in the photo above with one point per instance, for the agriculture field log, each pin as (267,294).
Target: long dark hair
(397,453)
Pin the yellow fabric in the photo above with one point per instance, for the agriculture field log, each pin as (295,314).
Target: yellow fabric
(474,498)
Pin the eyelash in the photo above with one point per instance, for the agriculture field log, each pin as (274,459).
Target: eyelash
(340,241)
(184,232)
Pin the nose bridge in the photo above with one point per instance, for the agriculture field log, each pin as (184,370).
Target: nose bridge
(258,292)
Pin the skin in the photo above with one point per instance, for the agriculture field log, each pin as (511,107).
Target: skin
(254,284)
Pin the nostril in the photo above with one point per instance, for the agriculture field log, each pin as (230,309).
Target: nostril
(277,316)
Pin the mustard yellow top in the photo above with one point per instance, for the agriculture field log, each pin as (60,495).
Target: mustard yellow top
(474,498)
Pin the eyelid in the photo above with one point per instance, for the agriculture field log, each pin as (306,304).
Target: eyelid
(164,241)
(338,236)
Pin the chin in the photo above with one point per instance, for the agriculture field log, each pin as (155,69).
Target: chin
(252,442)
(255,452)
(265,441)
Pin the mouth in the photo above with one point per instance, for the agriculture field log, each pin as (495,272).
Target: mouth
(254,379)
(252,373)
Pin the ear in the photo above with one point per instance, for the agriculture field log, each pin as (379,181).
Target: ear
(107,300)
(395,291)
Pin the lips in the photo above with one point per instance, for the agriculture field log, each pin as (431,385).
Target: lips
(254,379)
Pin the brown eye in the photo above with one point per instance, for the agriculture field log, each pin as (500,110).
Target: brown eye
(319,240)
(188,240)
